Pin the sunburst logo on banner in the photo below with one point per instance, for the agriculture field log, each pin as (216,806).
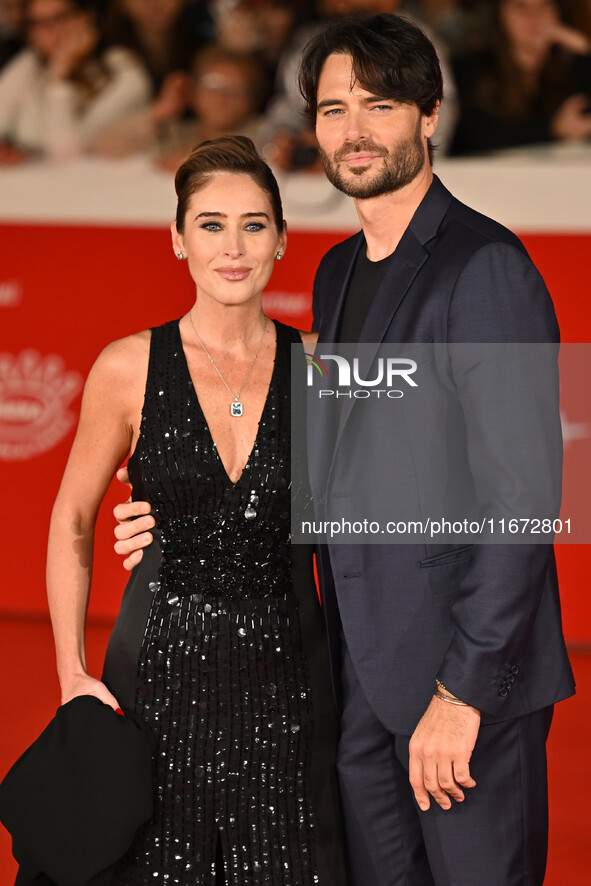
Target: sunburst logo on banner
(35,397)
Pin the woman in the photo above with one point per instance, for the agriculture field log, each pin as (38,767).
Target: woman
(165,34)
(262,27)
(225,97)
(532,85)
(219,643)
(66,87)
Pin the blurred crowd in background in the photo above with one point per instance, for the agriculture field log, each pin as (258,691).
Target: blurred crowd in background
(120,77)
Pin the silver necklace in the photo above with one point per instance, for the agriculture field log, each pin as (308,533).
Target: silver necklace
(236,407)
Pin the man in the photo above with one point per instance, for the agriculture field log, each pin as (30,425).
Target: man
(442,782)
(425,268)
(285,120)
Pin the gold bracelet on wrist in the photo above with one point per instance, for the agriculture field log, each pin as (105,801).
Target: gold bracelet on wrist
(439,693)
(449,699)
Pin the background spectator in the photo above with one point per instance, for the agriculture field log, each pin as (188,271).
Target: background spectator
(12,23)
(262,27)
(531,85)
(225,99)
(578,14)
(290,140)
(165,34)
(66,86)
(458,24)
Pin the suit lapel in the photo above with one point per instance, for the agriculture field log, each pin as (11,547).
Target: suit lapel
(408,259)
(321,429)
(406,262)
(339,284)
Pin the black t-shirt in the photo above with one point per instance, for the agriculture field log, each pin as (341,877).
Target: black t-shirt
(365,280)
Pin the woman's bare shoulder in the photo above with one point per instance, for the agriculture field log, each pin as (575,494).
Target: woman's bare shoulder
(122,365)
(125,354)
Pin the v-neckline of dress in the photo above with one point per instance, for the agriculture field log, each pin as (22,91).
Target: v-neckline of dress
(221,464)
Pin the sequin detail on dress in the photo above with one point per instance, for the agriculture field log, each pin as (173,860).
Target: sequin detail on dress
(222,678)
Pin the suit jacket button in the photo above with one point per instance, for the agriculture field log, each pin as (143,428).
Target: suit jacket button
(503,691)
(511,678)
(515,669)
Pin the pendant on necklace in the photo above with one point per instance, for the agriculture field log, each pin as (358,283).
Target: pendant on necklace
(236,408)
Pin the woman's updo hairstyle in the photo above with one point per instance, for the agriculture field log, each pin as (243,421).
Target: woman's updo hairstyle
(228,153)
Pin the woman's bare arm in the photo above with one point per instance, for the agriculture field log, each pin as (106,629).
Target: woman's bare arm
(110,411)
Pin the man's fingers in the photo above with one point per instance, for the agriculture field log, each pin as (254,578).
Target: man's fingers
(433,776)
(135,542)
(448,783)
(123,475)
(127,510)
(131,528)
(133,560)
(440,750)
(432,784)
(424,765)
(415,774)
(462,775)
(438,781)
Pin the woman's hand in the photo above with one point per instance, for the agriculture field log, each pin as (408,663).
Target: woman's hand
(83,684)
(132,534)
(569,38)
(173,98)
(572,120)
(80,39)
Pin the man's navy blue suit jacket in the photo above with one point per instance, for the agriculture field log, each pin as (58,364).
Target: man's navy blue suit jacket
(483,618)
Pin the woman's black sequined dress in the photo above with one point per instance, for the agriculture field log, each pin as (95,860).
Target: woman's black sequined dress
(220,646)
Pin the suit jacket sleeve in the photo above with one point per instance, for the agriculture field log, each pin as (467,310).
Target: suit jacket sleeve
(316,311)
(514,448)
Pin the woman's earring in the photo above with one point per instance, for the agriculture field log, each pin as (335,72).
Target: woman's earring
(279,256)
(180,256)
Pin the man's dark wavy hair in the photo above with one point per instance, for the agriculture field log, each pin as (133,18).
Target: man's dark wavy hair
(392,58)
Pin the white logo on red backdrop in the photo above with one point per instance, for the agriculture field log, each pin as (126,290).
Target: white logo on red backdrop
(290,304)
(573,430)
(11,293)
(35,397)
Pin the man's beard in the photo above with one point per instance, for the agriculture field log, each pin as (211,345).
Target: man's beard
(401,164)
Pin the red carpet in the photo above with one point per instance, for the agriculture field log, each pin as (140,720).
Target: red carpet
(29,695)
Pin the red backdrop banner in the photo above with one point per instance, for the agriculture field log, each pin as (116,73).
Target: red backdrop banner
(66,291)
